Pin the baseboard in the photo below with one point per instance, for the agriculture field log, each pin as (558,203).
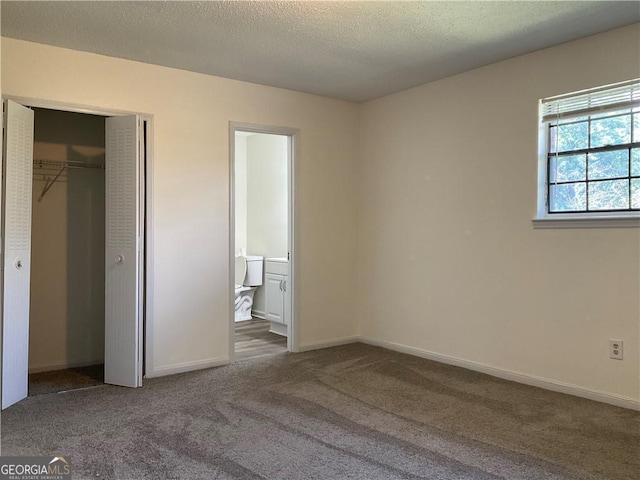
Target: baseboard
(526,379)
(62,366)
(278,329)
(258,314)
(534,381)
(187,367)
(329,343)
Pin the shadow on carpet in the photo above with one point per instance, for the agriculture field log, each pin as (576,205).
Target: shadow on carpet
(64,380)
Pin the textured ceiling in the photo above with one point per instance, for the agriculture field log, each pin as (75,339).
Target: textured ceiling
(350,50)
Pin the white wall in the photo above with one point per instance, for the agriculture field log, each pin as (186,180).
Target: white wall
(267,195)
(240,194)
(266,200)
(66,321)
(449,261)
(261,183)
(191,308)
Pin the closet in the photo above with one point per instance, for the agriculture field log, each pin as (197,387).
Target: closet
(88,201)
(67,286)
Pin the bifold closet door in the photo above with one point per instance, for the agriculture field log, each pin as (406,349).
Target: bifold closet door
(16,264)
(122,251)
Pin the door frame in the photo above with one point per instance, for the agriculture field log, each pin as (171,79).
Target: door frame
(145,348)
(293,156)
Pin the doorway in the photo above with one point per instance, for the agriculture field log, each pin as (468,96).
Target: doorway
(262,240)
(119,247)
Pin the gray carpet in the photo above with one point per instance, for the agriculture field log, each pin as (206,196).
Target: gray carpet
(355,411)
(57,381)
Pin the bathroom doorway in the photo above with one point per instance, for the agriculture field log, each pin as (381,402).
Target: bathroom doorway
(261,241)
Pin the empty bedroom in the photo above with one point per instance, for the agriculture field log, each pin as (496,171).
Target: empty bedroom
(321,240)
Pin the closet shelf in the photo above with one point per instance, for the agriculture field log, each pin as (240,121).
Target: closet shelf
(57,169)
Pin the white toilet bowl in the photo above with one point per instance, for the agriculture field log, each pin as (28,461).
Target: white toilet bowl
(247,279)
(244,302)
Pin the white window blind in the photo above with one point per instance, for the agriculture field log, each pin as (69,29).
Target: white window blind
(618,96)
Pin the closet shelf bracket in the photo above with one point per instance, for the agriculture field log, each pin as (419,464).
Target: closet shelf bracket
(49,182)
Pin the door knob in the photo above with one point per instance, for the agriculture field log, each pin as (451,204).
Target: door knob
(119,259)
(18,264)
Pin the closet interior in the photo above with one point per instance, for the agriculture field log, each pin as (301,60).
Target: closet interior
(67,299)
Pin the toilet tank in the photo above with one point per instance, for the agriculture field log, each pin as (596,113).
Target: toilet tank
(254,271)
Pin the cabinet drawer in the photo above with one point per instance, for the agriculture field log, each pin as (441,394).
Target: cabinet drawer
(279,266)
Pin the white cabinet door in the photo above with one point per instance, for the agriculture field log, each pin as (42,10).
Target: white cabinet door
(18,178)
(274,298)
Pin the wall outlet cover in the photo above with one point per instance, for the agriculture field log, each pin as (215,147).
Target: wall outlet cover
(615,349)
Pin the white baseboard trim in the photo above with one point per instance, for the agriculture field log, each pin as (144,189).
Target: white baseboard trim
(278,329)
(258,314)
(532,380)
(328,343)
(61,366)
(186,367)
(545,383)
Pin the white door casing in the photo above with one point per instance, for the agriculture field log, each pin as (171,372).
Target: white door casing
(16,261)
(123,251)
(287,302)
(290,307)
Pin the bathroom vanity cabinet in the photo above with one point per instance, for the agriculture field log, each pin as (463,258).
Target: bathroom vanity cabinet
(276,285)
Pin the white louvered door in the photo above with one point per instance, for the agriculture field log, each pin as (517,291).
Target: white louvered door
(122,252)
(16,260)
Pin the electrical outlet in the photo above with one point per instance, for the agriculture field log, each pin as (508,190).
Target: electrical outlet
(615,349)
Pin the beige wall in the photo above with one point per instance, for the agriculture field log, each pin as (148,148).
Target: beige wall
(66,315)
(449,262)
(191,189)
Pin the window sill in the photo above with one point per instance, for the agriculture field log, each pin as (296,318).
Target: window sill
(587,221)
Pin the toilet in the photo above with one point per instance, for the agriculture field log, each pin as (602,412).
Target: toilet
(248,278)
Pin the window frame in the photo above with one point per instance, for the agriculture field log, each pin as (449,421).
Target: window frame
(578,219)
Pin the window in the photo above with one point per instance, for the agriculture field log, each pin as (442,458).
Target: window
(590,154)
